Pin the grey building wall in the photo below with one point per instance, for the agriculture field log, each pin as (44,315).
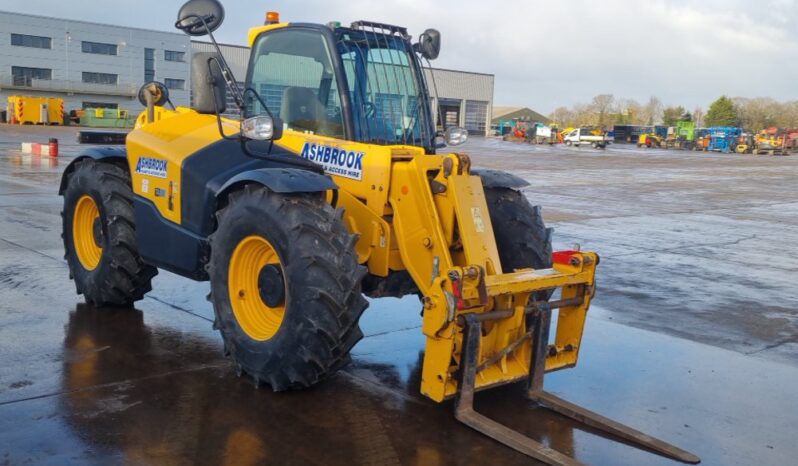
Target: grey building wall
(237,56)
(470,93)
(68,62)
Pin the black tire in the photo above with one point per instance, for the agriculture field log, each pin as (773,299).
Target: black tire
(521,235)
(323,300)
(121,277)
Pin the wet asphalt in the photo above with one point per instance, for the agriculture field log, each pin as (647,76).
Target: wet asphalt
(692,337)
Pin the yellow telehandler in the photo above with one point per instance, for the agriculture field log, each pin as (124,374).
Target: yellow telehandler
(326,188)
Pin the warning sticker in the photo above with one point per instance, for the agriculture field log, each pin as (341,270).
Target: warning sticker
(479,224)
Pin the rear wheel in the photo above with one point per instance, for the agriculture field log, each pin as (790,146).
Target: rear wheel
(285,286)
(521,235)
(99,235)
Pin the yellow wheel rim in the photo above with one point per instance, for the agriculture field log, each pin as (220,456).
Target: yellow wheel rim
(83,221)
(255,318)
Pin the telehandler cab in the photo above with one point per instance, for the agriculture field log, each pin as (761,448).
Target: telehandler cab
(326,188)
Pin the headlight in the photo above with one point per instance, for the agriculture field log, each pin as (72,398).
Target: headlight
(259,128)
(455,135)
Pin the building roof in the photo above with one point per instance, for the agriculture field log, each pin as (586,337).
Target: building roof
(512,113)
(93,23)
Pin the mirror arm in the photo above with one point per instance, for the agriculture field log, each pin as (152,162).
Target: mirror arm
(437,100)
(227,73)
(216,106)
(262,103)
(150,99)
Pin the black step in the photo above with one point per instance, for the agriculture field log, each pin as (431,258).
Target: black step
(101,137)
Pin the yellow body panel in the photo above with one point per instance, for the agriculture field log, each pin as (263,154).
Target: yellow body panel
(171,138)
(256,31)
(373,187)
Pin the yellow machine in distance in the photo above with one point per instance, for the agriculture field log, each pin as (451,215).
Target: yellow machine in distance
(35,110)
(329,187)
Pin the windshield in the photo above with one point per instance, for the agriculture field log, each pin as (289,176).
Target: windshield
(389,104)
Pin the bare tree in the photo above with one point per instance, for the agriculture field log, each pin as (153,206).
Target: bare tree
(563,116)
(698,117)
(601,105)
(759,112)
(605,110)
(652,111)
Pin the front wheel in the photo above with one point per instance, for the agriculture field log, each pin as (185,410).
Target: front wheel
(285,286)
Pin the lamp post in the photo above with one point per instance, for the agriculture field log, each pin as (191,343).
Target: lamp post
(67,42)
(129,53)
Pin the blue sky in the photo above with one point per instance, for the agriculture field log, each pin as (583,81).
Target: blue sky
(545,54)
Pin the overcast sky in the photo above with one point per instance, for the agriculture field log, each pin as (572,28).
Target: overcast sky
(545,54)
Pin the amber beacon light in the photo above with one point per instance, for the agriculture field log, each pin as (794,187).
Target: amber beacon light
(272,17)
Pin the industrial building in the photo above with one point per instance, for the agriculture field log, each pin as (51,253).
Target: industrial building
(93,65)
(89,64)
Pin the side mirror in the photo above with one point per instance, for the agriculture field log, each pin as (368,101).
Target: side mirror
(262,128)
(154,93)
(200,17)
(207,84)
(429,44)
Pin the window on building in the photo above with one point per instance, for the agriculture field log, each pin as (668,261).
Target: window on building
(100,78)
(476,115)
(38,42)
(24,76)
(149,65)
(178,84)
(107,105)
(99,48)
(171,55)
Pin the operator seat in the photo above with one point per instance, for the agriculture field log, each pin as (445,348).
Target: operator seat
(301,110)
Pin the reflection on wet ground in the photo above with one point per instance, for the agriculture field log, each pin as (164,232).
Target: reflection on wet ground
(150,385)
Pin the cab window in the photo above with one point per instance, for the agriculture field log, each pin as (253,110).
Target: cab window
(292,72)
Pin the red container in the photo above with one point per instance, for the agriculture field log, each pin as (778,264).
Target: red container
(53,147)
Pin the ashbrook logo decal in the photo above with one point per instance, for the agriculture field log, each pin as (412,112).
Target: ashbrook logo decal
(151,167)
(335,161)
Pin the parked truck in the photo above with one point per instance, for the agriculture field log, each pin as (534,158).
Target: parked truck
(595,137)
(681,136)
(539,133)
